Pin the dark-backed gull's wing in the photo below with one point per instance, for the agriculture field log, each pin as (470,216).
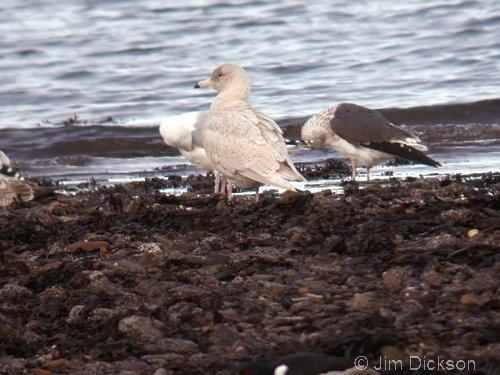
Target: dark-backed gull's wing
(361,126)
(366,127)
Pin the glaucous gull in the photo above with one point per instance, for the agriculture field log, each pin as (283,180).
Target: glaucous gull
(184,133)
(245,145)
(364,136)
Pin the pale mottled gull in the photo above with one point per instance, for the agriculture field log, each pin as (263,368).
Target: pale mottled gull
(12,190)
(12,185)
(245,145)
(184,133)
(8,170)
(364,136)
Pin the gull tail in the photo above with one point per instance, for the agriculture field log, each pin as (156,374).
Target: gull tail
(403,151)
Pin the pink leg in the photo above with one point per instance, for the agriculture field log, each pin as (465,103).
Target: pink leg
(354,169)
(224,184)
(257,194)
(367,173)
(217,182)
(229,191)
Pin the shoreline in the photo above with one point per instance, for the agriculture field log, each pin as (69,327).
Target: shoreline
(82,140)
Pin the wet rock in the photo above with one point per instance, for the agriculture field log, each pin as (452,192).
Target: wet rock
(455,214)
(87,246)
(473,299)
(178,346)
(141,330)
(53,292)
(223,335)
(394,278)
(266,254)
(150,261)
(100,314)
(97,280)
(164,359)
(12,365)
(13,291)
(152,247)
(425,184)
(13,333)
(76,313)
(124,267)
(364,300)
(162,371)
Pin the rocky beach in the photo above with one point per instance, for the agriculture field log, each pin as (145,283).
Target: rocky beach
(128,280)
(116,257)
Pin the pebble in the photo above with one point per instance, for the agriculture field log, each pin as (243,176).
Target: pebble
(87,246)
(15,291)
(472,233)
(178,346)
(472,299)
(394,278)
(141,330)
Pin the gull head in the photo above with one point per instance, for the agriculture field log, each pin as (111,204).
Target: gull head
(230,80)
(315,136)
